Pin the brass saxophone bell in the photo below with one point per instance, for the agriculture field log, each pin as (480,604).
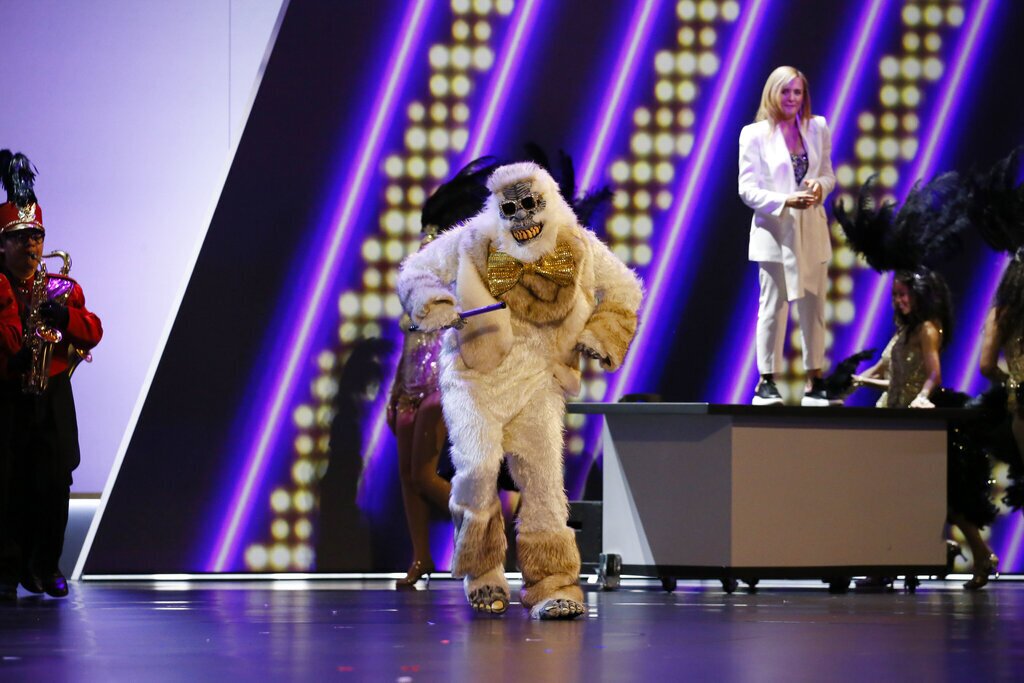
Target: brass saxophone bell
(48,335)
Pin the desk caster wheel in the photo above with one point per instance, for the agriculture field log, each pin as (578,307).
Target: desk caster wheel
(751,585)
(910,584)
(608,570)
(839,585)
(730,585)
(668,583)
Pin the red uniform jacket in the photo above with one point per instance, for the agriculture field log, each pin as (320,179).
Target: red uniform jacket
(84,329)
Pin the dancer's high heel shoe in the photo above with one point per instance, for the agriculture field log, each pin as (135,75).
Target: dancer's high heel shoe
(982,570)
(953,551)
(417,571)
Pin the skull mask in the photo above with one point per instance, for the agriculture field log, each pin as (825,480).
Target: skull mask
(519,206)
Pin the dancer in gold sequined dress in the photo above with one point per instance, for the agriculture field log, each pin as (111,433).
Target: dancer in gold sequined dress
(414,409)
(910,370)
(996,209)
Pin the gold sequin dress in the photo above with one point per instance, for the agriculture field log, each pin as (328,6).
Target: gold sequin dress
(1014,354)
(907,373)
(417,373)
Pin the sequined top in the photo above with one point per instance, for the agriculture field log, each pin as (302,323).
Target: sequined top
(907,373)
(799,166)
(1014,353)
(418,368)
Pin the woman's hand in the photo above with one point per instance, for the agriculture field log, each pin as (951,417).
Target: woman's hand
(814,187)
(921,402)
(800,200)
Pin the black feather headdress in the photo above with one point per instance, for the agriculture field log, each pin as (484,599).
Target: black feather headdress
(460,198)
(18,178)
(588,206)
(995,203)
(925,228)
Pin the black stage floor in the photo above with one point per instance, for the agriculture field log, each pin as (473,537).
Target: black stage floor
(355,631)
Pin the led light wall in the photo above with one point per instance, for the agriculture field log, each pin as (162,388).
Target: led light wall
(259,451)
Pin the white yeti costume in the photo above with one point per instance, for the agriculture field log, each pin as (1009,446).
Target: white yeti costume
(505,374)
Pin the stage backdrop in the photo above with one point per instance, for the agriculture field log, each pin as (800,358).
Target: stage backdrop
(259,449)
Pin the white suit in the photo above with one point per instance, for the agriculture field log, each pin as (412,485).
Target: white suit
(791,246)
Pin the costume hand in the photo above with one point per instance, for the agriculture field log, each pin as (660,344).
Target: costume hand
(592,346)
(591,353)
(55,315)
(921,402)
(814,187)
(19,362)
(800,200)
(439,315)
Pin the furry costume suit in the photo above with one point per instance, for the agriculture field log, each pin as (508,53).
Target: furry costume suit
(504,375)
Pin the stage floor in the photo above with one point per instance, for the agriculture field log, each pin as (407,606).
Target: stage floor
(355,631)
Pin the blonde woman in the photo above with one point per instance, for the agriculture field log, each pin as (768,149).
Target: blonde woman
(785,173)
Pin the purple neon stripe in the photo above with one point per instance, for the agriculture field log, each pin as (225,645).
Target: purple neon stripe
(693,182)
(970,376)
(512,56)
(856,54)
(869,24)
(1011,550)
(627,62)
(639,31)
(940,119)
(256,459)
(744,379)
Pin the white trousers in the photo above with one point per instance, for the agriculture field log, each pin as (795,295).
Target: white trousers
(773,313)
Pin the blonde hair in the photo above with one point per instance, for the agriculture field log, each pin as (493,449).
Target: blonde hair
(772,92)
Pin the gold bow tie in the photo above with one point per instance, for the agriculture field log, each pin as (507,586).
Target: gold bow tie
(504,271)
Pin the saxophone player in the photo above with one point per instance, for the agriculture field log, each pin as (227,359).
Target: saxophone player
(38,428)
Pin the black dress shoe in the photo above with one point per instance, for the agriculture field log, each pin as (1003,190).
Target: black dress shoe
(32,583)
(55,585)
(816,396)
(8,592)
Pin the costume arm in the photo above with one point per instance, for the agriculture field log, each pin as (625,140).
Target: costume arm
(827,177)
(612,325)
(753,186)
(426,279)
(84,327)
(990,349)
(10,321)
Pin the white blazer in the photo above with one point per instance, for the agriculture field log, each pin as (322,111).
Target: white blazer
(796,238)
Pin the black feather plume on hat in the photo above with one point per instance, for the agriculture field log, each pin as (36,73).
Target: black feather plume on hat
(18,178)
(926,227)
(460,198)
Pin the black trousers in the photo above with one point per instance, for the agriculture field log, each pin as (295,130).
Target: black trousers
(10,522)
(42,452)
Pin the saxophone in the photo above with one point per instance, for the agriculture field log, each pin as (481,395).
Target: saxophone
(39,337)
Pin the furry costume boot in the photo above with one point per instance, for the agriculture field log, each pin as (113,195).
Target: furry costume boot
(550,562)
(479,557)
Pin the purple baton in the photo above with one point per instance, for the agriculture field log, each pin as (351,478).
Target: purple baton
(469,314)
